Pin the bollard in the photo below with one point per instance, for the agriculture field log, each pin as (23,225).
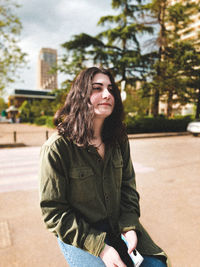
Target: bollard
(15,136)
(47,135)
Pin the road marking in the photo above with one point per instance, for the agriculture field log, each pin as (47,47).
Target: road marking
(21,179)
(5,239)
(140,168)
(19,169)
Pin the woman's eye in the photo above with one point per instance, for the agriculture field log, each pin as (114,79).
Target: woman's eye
(97,88)
(110,88)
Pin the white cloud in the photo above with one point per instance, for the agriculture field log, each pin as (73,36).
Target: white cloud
(49,23)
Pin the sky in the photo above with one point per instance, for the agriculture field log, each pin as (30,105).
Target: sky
(49,23)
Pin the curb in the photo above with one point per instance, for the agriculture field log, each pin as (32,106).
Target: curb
(130,136)
(12,145)
(156,135)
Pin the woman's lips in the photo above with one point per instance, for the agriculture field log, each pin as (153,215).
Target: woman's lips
(105,104)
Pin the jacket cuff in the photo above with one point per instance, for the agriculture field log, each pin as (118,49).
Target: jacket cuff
(94,244)
(126,224)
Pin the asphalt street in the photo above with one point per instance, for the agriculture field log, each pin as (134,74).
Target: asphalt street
(167,174)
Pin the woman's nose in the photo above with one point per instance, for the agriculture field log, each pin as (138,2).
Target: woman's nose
(105,93)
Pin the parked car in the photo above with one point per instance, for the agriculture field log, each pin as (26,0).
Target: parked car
(194,127)
(5,120)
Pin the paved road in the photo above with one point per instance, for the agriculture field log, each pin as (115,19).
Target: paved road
(19,168)
(170,195)
(168,181)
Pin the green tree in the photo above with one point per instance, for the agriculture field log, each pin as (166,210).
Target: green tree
(135,103)
(60,96)
(41,109)
(191,74)
(117,48)
(30,111)
(123,40)
(161,70)
(74,58)
(26,115)
(167,69)
(11,56)
(3,104)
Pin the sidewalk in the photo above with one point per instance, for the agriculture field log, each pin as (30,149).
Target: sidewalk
(18,135)
(156,135)
(24,240)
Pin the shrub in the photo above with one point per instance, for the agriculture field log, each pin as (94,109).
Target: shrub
(49,121)
(159,124)
(44,120)
(40,120)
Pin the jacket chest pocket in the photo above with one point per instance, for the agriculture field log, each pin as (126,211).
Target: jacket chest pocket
(117,169)
(82,184)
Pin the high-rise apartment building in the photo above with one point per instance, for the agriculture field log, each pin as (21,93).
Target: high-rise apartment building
(193,30)
(47,79)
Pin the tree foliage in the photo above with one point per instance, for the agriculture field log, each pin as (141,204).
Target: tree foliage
(3,105)
(167,71)
(32,111)
(116,48)
(168,76)
(11,56)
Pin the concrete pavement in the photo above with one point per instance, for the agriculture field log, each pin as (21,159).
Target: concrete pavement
(167,172)
(169,193)
(24,240)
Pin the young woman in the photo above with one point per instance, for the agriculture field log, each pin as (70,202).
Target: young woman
(88,194)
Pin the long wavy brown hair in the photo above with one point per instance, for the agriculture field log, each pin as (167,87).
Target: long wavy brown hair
(75,119)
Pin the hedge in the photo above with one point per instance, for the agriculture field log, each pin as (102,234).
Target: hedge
(139,124)
(159,124)
(44,120)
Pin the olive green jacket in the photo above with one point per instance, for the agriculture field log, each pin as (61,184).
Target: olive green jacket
(78,188)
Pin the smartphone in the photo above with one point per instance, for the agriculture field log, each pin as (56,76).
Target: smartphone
(135,255)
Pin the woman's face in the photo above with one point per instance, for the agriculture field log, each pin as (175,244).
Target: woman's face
(102,98)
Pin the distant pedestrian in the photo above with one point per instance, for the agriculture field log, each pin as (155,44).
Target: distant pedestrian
(88,193)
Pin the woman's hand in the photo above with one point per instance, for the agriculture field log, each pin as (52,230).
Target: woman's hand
(111,257)
(131,238)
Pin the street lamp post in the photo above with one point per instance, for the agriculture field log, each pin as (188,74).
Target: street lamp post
(123,92)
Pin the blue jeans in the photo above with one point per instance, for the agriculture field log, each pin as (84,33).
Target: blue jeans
(150,261)
(77,257)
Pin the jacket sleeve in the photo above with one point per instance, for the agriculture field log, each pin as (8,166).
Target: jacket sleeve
(58,216)
(129,205)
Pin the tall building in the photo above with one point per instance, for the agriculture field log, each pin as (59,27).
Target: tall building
(46,61)
(193,30)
